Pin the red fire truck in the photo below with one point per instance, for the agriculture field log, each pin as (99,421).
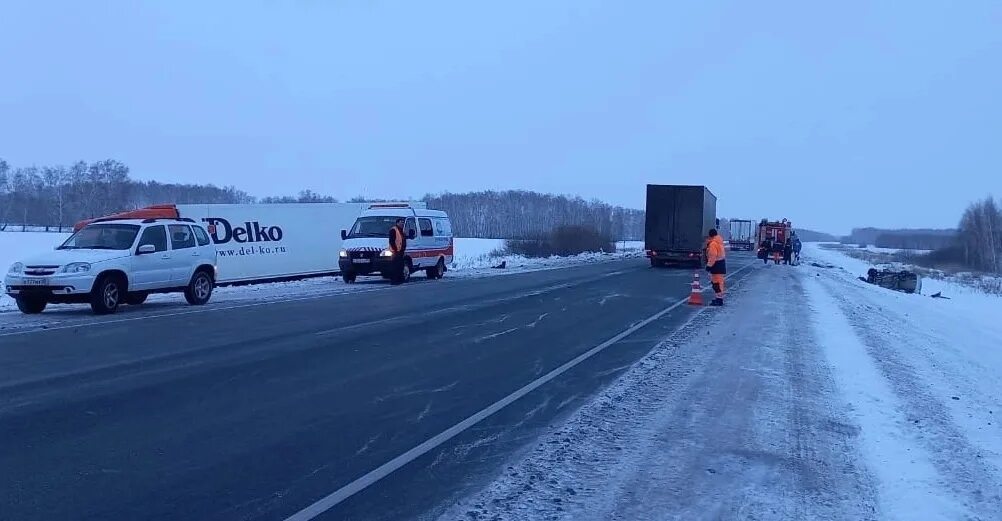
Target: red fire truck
(772,236)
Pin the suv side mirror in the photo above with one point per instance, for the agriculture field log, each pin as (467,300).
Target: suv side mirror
(344,234)
(411,234)
(146,249)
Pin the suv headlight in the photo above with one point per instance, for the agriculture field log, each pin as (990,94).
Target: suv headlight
(17,267)
(386,253)
(343,254)
(75,267)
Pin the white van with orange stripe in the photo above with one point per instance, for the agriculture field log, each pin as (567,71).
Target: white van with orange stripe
(430,244)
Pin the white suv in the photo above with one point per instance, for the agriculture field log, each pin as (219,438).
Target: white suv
(112,262)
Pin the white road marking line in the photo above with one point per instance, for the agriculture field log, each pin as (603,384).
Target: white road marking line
(40,328)
(495,335)
(333,499)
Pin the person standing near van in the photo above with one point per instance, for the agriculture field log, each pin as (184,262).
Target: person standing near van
(398,246)
(716,265)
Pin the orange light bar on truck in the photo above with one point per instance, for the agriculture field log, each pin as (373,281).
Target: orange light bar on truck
(160,211)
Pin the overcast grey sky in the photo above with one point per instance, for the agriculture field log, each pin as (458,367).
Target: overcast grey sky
(833,114)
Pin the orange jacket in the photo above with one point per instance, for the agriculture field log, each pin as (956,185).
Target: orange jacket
(714,250)
(398,241)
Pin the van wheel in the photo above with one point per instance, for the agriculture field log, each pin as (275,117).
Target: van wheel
(31,306)
(405,274)
(348,277)
(136,298)
(108,292)
(199,289)
(437,271)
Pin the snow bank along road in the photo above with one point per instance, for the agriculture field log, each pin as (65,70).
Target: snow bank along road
(258,411)
(811,396)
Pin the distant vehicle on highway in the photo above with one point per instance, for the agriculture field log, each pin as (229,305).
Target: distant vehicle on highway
(772,235)
(118,261)
(742,235)
(678,220)
(430,244)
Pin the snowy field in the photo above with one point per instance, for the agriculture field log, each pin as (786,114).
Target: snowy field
(933,281)
(812,395)
(876,249)
(473,258)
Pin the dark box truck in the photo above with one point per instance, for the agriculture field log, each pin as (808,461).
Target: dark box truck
(678,221)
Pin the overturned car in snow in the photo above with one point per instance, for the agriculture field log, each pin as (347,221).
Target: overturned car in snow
(898,280)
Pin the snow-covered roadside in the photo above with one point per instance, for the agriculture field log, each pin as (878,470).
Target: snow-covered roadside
(923,377)
(933,281)
(816,252)
(717,422)
(813,395)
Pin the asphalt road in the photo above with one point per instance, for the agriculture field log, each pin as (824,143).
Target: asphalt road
(259,411)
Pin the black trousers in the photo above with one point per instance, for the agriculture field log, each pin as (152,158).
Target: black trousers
(398,268)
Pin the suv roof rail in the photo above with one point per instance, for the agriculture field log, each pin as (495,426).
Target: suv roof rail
(103,219)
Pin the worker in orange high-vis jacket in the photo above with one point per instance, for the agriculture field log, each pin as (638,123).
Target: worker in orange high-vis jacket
(398,247)
(716,265)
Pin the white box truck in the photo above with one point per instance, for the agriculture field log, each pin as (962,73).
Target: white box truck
(257,242)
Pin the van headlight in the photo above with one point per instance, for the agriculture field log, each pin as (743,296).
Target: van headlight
(16,268)
(343,254)
(386,253)
(75,267)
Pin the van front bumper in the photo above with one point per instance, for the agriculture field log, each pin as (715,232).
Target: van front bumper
(367,266)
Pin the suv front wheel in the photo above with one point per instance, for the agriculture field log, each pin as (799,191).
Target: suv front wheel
(31,305)
(107,294)
(199,290)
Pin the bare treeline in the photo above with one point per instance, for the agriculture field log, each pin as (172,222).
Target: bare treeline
(979,242)
(55,196)
(58,196)
(915,239)
(305,196)
(519,214)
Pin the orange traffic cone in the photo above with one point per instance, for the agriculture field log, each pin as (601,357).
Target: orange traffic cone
(696,296)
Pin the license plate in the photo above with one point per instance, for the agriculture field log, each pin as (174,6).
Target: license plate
(360,261)
(35,282)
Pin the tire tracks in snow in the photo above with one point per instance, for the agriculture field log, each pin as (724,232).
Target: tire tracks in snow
(923,416)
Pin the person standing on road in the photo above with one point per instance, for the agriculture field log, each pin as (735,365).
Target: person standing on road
(777,250)
(788,250)
(765,250)
(716,266)
(797,245)
(398,246)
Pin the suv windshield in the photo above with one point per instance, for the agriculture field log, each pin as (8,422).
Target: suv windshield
(378,226)
(102,237)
